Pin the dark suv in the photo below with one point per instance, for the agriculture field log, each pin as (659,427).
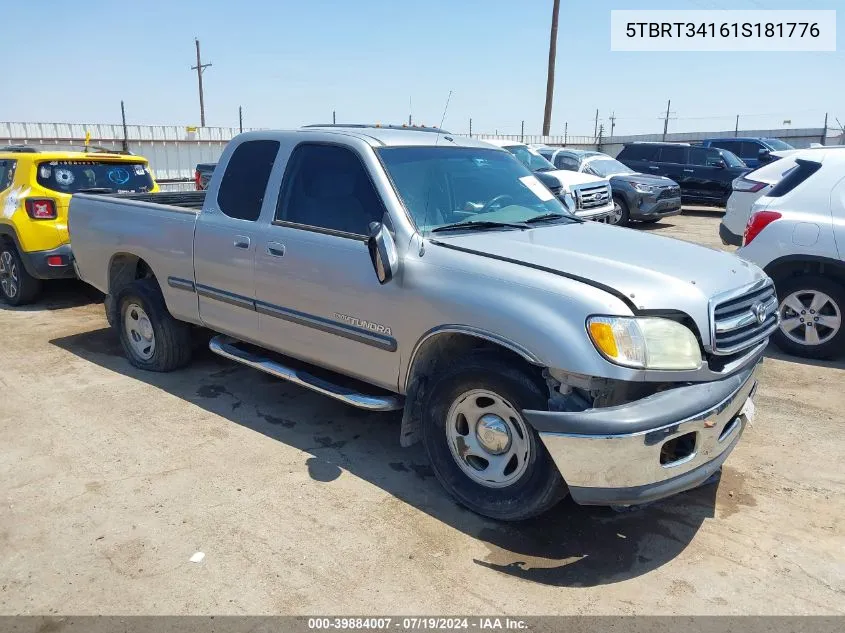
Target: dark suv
(705,174)
(754,152)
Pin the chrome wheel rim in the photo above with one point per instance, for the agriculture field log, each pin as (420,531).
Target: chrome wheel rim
(809,317)
(488,438)
(616,215)
(9,281)
(139,331)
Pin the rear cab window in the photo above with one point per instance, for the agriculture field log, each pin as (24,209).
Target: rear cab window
(244,183)
(103,176)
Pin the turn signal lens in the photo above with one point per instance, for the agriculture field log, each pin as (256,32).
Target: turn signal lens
(602,334)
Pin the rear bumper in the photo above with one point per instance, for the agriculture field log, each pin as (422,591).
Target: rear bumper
(728,237)
(56,263)
(647,208)
(613,456)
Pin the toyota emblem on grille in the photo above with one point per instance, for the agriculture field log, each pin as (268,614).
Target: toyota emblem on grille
(759,311)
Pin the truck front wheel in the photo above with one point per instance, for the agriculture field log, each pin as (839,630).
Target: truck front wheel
(152,339)
(481,448)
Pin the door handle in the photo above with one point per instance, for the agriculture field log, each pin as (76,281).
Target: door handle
(689,171)
(275,249)
(653,167)
(241,241)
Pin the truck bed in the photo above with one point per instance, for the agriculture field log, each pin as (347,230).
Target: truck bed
(110,232)
(184,199)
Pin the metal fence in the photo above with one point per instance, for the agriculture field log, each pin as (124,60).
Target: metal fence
(174,151)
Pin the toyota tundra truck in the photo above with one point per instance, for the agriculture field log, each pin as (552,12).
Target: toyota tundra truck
(532,353)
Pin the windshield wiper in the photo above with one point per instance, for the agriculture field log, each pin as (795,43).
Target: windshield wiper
(94,190)
(552,216)
(477,224)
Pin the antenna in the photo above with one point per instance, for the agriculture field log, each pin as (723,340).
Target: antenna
(443,118)
(436,141)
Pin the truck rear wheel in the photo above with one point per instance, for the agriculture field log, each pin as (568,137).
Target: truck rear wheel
(152,339)
(481,448)
(17,287)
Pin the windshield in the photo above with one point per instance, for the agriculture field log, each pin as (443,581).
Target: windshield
(777,144)
(731,159)
(71,176)
(530,158)
(605,167)
(445,185)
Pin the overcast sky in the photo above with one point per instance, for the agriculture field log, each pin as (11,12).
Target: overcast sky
(289,62)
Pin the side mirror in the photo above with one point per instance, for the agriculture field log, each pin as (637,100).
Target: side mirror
(382,252)
(721,164)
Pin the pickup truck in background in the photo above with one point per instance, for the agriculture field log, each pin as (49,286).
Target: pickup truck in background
(587,196)
(202,174)
(532,353)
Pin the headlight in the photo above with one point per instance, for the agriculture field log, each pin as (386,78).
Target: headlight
(646,343)
(642,188)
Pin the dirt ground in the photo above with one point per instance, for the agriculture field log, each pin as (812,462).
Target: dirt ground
(111,479)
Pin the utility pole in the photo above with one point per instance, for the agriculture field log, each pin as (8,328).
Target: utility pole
(666,120)
(125,133)
(550,78)
(410,112)
(612,124)
(200,67)
(522,133)
(824,132)
(599,139)
(470,127)
(334,117)
(565,131)
(736,127)
(596,129)
(241,118)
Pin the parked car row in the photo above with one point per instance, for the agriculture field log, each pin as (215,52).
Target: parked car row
(636,196)
(529,350)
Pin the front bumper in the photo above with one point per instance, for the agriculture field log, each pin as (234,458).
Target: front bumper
(56,263)
(629,454)
(728,237)
(650,207)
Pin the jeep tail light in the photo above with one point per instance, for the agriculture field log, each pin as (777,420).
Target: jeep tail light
(41,208)
(757,223)
(747,185)
(198,180)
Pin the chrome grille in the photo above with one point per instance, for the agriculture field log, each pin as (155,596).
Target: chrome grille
(744,320)
(592,197)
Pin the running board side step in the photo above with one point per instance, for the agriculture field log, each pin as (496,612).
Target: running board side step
(227,347)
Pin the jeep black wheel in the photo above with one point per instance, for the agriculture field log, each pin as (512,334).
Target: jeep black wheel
(17,287)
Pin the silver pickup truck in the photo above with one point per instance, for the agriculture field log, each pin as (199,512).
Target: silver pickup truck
(532,353)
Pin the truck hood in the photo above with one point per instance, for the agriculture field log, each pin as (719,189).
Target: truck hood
(570,178)
(653,272)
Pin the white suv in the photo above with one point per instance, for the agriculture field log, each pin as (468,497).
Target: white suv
(796,233)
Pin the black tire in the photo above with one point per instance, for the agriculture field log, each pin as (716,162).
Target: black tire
(173,344)
(539,487)
(17,287)
(832,348)
(626,213)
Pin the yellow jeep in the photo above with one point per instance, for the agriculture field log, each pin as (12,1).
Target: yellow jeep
(35,191)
